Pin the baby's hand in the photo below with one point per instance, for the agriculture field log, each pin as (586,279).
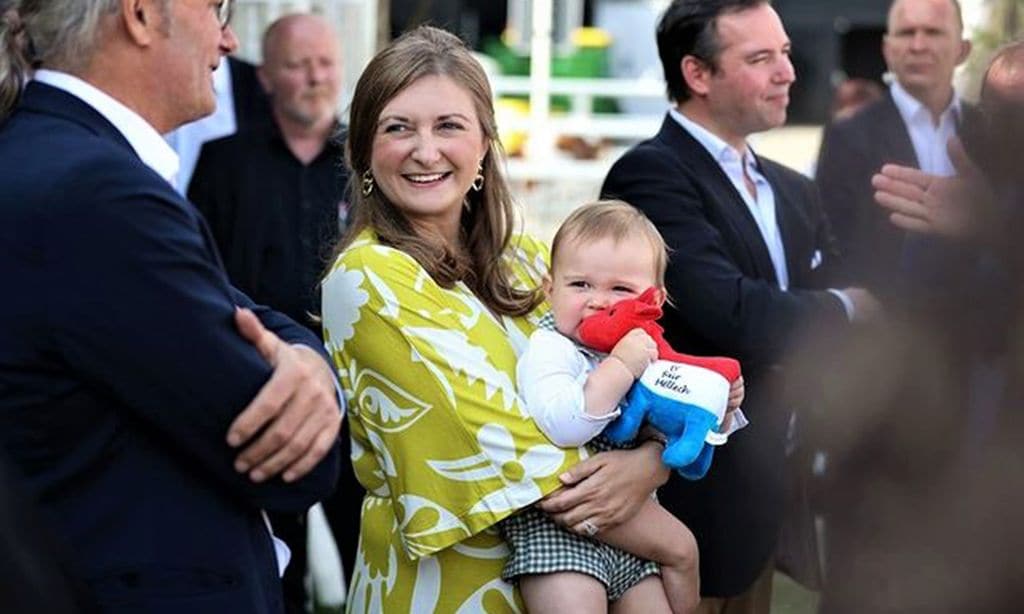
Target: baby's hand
(736,394)
(636,350)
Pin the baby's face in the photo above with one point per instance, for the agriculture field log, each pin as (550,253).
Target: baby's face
(591,276)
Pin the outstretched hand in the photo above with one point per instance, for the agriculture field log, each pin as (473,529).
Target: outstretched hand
(293,421)
(930,204)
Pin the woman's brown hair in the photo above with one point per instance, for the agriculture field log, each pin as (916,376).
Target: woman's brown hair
(486,223)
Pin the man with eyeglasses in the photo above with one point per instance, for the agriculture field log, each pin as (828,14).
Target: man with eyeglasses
(242,105)
(151,409)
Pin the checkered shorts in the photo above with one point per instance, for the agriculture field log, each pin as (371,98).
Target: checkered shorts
(539,546)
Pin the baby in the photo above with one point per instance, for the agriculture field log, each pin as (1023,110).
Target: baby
(603,253)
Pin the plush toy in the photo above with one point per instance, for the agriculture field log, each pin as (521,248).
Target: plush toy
(682,396)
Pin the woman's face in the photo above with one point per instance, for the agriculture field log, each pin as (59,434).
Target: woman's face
(427,148)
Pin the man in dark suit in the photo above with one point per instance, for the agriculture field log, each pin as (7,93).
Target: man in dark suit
(909,126)
(750,251)
(242,105)
(274,197)
(151,409)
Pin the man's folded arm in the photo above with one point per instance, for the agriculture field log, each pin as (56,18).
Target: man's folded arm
(148,316)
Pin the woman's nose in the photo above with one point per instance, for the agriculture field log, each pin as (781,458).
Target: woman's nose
(426,151)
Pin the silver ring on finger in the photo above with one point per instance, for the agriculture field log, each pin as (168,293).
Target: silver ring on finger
(589,528)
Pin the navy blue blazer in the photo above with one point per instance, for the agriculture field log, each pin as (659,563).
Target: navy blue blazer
(121,370)
(726,301)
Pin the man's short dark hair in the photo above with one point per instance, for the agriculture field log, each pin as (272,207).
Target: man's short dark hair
(689,27)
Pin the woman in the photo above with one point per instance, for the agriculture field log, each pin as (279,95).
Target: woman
(425,311)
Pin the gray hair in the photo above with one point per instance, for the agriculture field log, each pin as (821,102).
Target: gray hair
(59,34)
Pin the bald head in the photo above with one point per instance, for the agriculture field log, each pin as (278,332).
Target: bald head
(1004,79)
(958,14)
(923,45)
(301,71)
(281,30)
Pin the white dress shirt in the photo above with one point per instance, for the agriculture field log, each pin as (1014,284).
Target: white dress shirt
(188,140)
(762,208)
(154,153)
(929,139)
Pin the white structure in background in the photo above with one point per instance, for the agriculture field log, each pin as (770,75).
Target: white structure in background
(354,20)
(634,54)
(565,16)
(548,27)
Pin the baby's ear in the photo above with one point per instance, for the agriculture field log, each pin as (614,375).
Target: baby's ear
(660,295)
(546,285)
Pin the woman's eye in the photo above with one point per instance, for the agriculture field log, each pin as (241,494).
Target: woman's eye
(394,128)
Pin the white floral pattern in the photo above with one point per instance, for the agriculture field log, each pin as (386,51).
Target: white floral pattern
(343,292)
(520,473)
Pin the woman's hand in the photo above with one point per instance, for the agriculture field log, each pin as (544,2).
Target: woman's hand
(606,489)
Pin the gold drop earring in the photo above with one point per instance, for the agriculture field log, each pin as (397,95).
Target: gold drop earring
(478,181)
(367,183)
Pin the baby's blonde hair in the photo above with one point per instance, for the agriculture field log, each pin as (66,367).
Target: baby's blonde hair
(611,219)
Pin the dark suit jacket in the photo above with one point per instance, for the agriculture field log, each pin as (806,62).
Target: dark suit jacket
(252,107)
(852,150)
(121,370)
(34,576)
(727,302)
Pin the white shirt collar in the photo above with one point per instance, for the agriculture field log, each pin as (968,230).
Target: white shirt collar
(144,139)
(720,150)
(222,76)
(911,108)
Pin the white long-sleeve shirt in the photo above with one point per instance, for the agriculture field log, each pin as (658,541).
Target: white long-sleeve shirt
(551,374)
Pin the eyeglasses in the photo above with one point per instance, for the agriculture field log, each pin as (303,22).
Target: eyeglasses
(225,8)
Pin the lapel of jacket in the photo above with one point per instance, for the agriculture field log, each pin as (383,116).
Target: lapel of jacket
(49,100)
(692,155)
(894,135)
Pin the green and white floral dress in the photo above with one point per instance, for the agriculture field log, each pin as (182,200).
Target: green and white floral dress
(440,438)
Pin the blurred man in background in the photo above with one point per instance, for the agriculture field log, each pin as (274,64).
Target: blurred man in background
(910,126)
(924,507)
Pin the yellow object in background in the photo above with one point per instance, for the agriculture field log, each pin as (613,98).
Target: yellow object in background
(511,113)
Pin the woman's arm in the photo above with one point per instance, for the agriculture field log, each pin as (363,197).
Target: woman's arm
(607,488)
